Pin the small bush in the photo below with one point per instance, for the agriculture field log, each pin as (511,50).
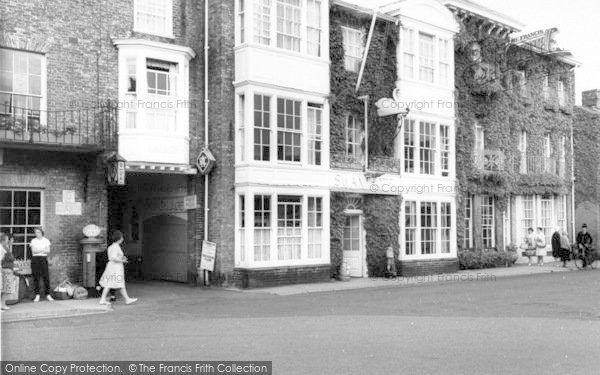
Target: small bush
(489,258)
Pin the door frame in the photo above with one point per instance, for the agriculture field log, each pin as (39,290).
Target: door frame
(362,238)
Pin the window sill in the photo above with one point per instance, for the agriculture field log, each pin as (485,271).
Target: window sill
(270,48)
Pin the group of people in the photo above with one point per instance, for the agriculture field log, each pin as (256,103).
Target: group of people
(112,279)
(535,244)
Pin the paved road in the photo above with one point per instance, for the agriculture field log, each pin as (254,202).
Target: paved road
(543,324)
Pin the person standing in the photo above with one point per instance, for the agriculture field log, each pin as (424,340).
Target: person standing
(565,246)
(114,273)
(556,245)
(40,248)
(540,245)
(391,262)
(9,279)
(529,245)
(584,242)
(3,253)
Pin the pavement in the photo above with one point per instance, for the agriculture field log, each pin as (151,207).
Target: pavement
(161,292)
(547,323)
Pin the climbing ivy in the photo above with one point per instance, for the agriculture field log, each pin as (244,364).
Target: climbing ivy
(382,229)
(587,148)
(378,80)
(504,105)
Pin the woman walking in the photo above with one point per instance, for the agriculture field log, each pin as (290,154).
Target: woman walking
(114,273)
(10,281)
(40,248)
(565,246)
(556,244)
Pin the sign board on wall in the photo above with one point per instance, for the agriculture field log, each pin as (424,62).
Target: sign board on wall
(68,206)
(190,202)
(209,250)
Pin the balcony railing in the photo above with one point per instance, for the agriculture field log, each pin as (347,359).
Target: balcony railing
(91,128)
(535,164)
(489,160)
(384,164)
(343,160)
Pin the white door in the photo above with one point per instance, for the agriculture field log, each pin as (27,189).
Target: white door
(352,245)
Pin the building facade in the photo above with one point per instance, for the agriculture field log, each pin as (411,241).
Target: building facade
(587,167)
(515,100)
(337,131)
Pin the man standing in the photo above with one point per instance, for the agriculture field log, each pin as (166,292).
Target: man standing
(584,242)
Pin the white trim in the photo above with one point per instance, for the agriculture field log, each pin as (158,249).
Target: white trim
(186,51)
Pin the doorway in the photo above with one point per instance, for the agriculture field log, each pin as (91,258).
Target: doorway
(164,244)
(353,247)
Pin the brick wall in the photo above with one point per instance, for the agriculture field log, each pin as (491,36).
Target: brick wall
(427,267)
(261,278)
(53,172)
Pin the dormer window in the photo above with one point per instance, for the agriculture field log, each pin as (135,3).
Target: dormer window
(153,17)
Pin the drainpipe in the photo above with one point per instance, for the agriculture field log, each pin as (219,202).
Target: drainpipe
(572,183)
(365,98)
(206,101)
(366,53)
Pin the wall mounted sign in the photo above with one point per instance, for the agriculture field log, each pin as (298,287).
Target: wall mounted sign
(209,250)
(190,202)
(116,169)
(68,207)
(205,161)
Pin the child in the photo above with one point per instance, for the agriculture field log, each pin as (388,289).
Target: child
(391,263)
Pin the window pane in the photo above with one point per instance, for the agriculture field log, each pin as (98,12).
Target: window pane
(5,198)
(20,199)
(6,81)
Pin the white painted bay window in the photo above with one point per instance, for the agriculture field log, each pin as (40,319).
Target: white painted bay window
(153,17)
(288,130)
(426,57)
(242,20)
(428,229)
(154,101)
(445,150)
(353,48)
(282,229)
(427,148)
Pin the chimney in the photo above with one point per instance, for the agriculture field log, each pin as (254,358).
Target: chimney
(591,99)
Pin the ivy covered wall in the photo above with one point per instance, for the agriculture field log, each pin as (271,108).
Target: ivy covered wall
(587,168)
(378,81)
(382,227)
(492,92)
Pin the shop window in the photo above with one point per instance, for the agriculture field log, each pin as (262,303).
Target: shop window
(410,225)
(20,214)
(445,225)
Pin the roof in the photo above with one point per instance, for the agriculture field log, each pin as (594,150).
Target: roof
(484,12)
(359,7)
